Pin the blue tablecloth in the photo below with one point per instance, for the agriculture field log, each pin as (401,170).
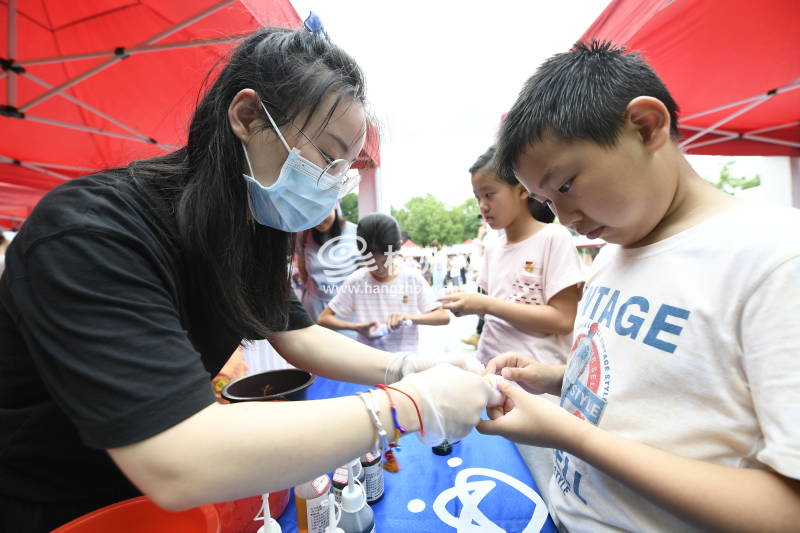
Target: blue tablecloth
(484,485)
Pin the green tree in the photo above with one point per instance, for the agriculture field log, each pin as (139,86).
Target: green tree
(349,203)
(470,212)
(730,184)
(426,219)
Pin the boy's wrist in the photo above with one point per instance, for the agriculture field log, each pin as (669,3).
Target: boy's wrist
(555,378)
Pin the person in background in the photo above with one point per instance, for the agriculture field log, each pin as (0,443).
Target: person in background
(532,280)
(388,299)
(325,254)
(680,397)
(454,267)
(438,268)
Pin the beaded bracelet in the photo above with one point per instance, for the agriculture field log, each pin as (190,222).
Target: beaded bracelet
(374,411)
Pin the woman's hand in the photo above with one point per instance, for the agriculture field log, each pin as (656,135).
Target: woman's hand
(465,303)
(404,364)
(529,419)
(531,375)
(451,401)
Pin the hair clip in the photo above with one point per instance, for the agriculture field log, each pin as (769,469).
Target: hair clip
(314,24)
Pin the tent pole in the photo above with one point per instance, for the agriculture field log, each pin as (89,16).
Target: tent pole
(787,88)
(133,50)
(91,72)
(770,140)
(31,166)
(78,127)
(707,143)
(719,123)
(11,82)
(63,167)
(45,171)
(89,108)
(773,128)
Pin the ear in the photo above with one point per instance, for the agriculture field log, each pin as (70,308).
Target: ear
(243,114)
(522,192)
(650,118)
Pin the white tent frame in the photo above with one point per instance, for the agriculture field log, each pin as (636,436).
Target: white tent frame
(14,69)
(725,135)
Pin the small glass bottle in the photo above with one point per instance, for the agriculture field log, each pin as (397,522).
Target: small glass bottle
(311,503)
(373,476)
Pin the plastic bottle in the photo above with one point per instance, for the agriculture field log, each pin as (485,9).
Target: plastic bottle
(310,500)
(373,476)
(383,329)
(445,448)
(332,522)
(270,524)
(339,478)
(357,516)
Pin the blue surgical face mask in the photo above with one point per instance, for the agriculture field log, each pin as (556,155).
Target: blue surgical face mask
(301,197)
(295,202)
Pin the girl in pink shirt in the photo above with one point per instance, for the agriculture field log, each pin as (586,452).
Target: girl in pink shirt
(532,279)
(531,275)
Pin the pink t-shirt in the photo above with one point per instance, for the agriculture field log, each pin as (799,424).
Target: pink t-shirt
(370,300)
(528,272)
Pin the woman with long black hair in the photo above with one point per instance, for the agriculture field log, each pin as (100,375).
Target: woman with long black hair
(126,290)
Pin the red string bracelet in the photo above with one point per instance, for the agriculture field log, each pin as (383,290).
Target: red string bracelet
(419,415)
(391,464)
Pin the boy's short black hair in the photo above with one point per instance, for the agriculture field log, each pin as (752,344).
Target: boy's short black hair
(381,233)
(580,94)
(486,163)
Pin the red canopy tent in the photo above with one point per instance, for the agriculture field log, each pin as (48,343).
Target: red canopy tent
(733,66)
(97,83)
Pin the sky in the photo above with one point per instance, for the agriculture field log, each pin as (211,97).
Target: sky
(441,73)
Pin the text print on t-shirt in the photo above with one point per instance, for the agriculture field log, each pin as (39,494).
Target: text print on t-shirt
(630,316)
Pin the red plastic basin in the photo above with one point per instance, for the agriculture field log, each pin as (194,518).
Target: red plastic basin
(140,514)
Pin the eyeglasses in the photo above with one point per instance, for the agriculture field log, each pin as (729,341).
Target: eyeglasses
(337,173)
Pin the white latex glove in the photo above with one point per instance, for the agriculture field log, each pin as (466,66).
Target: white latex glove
(451,401)
(406,363)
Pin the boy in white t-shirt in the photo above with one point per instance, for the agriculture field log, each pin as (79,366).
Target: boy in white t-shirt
(681,396)
(388,299)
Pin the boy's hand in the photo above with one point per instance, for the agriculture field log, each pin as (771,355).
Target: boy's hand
(366,328)
(465,303)
(528,419)
(395,319)
(533,376)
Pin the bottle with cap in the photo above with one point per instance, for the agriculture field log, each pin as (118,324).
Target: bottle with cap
(383,329)
(339,478)
(373,476)
(357,516)
(270,524)
(311,503)
(333,523)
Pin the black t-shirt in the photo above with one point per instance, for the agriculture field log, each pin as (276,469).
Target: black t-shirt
(103,342)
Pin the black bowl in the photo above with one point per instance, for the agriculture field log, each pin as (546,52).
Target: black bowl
(289,384)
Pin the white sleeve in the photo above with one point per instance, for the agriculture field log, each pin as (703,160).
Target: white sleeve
(770,338)
(343,303)
(427,299)
(563,265)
